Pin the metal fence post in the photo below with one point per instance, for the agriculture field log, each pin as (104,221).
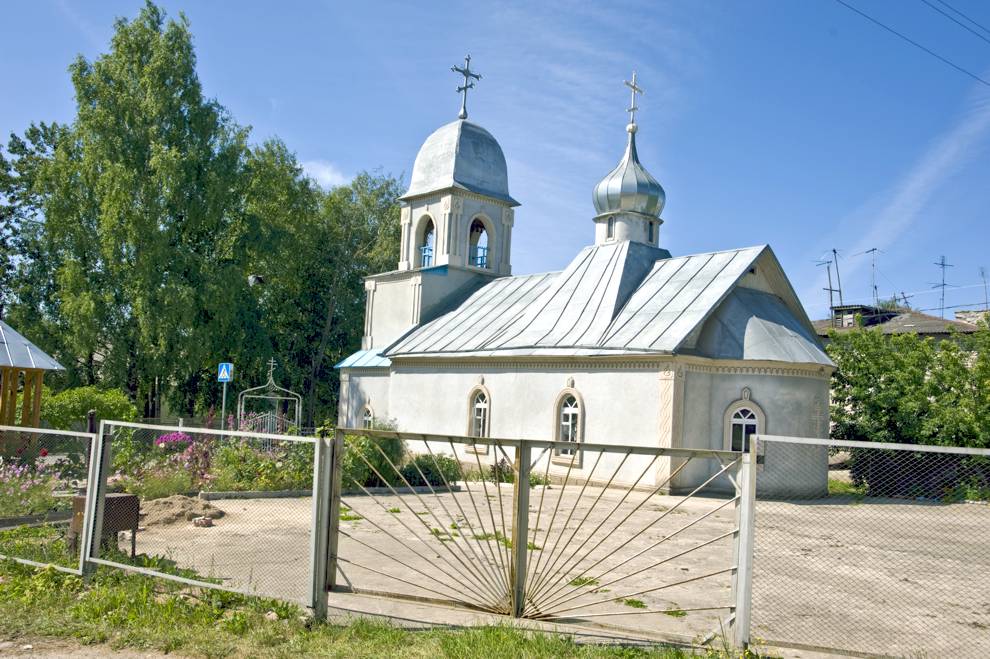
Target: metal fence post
(321,527)
(520,528)
(96,483)
(742,577)
(333,512)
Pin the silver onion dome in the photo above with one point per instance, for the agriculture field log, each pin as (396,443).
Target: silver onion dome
(629,188)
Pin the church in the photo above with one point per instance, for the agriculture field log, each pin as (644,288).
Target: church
(628,344)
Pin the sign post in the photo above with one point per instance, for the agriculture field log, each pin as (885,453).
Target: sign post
(225,373)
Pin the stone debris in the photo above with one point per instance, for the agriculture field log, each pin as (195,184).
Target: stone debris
(176,508)
(202,522)
(272,616)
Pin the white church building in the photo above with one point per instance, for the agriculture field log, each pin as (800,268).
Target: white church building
(628,344)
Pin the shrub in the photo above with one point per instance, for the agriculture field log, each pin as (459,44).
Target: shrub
(437,469)
(26,489)
(364,456)
(67,410)
(159,483)
(240,466)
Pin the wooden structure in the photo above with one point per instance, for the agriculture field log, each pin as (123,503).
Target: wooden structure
(22,371)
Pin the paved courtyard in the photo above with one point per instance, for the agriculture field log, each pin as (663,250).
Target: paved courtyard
(882,576)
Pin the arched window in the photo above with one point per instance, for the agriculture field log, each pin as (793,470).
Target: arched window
(479,417)
(744,425)
(743,419)
(478,247)
(368,418)
(425,243)
(650,232)
(568,424)
(610,228)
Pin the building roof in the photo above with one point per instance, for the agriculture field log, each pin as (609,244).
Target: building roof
(629,298)
(461,155)
(905,322)
(18,352)
(365,359)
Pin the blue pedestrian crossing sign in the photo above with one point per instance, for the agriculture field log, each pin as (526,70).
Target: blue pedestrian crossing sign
(225,372)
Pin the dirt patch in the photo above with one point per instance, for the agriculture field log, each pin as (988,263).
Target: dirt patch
(176,508)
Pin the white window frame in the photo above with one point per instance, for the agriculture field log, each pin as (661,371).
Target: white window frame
(481,449)
(367,417)
(576,426)
(729,421)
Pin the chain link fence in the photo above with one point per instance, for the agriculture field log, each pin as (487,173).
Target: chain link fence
(895,560)
(231,510)
(43,496)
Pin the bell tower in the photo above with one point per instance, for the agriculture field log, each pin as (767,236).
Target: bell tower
(456,223)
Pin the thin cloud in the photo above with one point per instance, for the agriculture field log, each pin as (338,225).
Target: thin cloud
(324,172)
(907,201)
(96,37)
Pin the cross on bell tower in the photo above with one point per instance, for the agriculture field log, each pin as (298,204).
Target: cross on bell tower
(468,84)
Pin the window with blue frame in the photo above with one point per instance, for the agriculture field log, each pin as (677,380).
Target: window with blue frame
(426,245)
(478,247)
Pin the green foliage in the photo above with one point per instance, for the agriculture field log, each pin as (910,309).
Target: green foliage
(431,469)
(372,461)
(242,465)
(634,603)
(159,483)
(127,235)
(154,615)
(584,581)
(840,488)
(43,543)
(26,489)
(912,390)
(902,388)
(67,409)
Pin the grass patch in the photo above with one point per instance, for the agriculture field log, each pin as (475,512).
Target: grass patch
(147,614)
(839,488)
(675,613)
(395,511)
(348,516)
(584,581)
(636,604)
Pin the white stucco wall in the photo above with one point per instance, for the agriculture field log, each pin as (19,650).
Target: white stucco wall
(641,404)
(793,405)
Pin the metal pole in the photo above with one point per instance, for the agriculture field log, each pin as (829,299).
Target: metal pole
(223,408)
(520,528)
(322,450)
(333,513)
(742,577)
(92,533)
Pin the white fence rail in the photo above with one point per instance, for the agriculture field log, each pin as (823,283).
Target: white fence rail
(894,559)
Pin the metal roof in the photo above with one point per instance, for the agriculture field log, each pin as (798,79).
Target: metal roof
(365,359)
(18,352)
(627,298)
(462,155)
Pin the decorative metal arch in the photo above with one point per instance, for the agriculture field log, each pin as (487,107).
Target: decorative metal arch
(271,392)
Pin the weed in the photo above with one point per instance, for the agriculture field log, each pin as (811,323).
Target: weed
(584,581)
(636,604)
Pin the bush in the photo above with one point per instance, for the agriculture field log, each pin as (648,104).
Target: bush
(437,469)
(364,456)
(67,410)
(159,483)
(26,490)
(240,465)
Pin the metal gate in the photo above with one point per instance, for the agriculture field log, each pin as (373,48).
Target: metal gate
(548,531)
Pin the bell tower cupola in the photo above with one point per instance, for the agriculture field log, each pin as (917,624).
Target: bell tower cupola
(628,201)
(457,210)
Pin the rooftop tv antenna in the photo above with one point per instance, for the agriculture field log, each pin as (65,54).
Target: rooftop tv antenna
(986,298)
(943,264)
(828,268)
(838,279)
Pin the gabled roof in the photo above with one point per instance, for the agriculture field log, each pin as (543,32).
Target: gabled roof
(365,359)
(627,298)
(18,352)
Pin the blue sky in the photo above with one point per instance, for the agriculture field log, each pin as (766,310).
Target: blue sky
(795,123)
